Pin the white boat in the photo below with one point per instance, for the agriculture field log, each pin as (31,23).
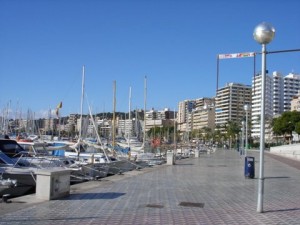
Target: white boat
(31,156)
(68,158)
(25,176)
(33,137)
(149,158)
(133,143)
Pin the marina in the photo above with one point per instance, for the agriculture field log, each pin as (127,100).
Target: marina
(213,139)
(22,161)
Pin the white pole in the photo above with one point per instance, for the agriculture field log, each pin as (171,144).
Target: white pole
(175,144)
(145,99)
(262,132)
(81,103)
(129,118)
(243,137)
(263,34)
(114,116)
(246,145)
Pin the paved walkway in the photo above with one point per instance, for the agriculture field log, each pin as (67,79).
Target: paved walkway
(206,190)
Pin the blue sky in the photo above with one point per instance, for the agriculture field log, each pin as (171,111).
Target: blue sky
(45,43)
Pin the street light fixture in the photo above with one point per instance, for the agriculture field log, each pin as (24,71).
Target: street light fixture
(247,110)
(263,34)
(243,138)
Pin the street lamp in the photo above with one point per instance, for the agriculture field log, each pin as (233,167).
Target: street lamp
(247,109)
(243,137)
(263,34)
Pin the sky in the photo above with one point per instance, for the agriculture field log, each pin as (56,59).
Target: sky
(170,44)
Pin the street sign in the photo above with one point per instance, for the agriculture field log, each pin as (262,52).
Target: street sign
(236,55)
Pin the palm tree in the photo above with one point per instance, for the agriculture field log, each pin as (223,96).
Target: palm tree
(232,129)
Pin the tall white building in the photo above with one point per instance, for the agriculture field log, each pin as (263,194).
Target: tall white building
(256,104)
(277,93)
(291,86)
(184,114)
(126,127)
(280,91)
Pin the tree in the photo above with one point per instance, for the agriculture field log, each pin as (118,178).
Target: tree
(207,133)
(286,123)
(297,128)
(232,128)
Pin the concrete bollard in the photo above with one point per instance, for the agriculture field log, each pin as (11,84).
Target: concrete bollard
(170,158)
(197,153)
(52,184)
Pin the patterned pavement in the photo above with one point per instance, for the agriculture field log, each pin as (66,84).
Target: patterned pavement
(211,189)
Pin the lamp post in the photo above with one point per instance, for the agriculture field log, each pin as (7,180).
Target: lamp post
(263,34)
(247,109)
(243,137)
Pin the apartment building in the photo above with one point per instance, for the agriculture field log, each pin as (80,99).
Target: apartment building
(203,114)
(71,122)
(295,103)
(159,118)
(278,93)
(256,104)
(185,109)
(131,127)
(230,102)
(291,84)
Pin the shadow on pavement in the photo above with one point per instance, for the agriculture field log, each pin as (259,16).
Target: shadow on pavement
(282,210)
(276,177)
(106,195)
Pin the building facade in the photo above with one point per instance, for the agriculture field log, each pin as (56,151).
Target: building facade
(230,102)
(291,86)
(256,104)
(159,118)
(278,93)
(185,109)
(295,103)
(203,114)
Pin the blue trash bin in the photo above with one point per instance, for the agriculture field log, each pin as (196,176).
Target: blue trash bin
(249,167)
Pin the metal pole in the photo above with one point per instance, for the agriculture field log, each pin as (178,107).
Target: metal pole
(254,71)
(217,87)
(243,138)
(114,116)
(262,133)
(246,145)
(145,100)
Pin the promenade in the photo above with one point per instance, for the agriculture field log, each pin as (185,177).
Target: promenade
(211,189)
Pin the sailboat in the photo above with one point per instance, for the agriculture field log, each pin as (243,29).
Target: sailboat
(93,162)
(119,162)
(138,152)
(131,142)
(98,162)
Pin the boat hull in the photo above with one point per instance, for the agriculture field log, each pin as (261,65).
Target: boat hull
(16,191)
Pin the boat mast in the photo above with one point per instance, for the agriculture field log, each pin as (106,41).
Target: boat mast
(175,143)
(145,99)
(98,137)
(114,116)
(129,118)
(81,104)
